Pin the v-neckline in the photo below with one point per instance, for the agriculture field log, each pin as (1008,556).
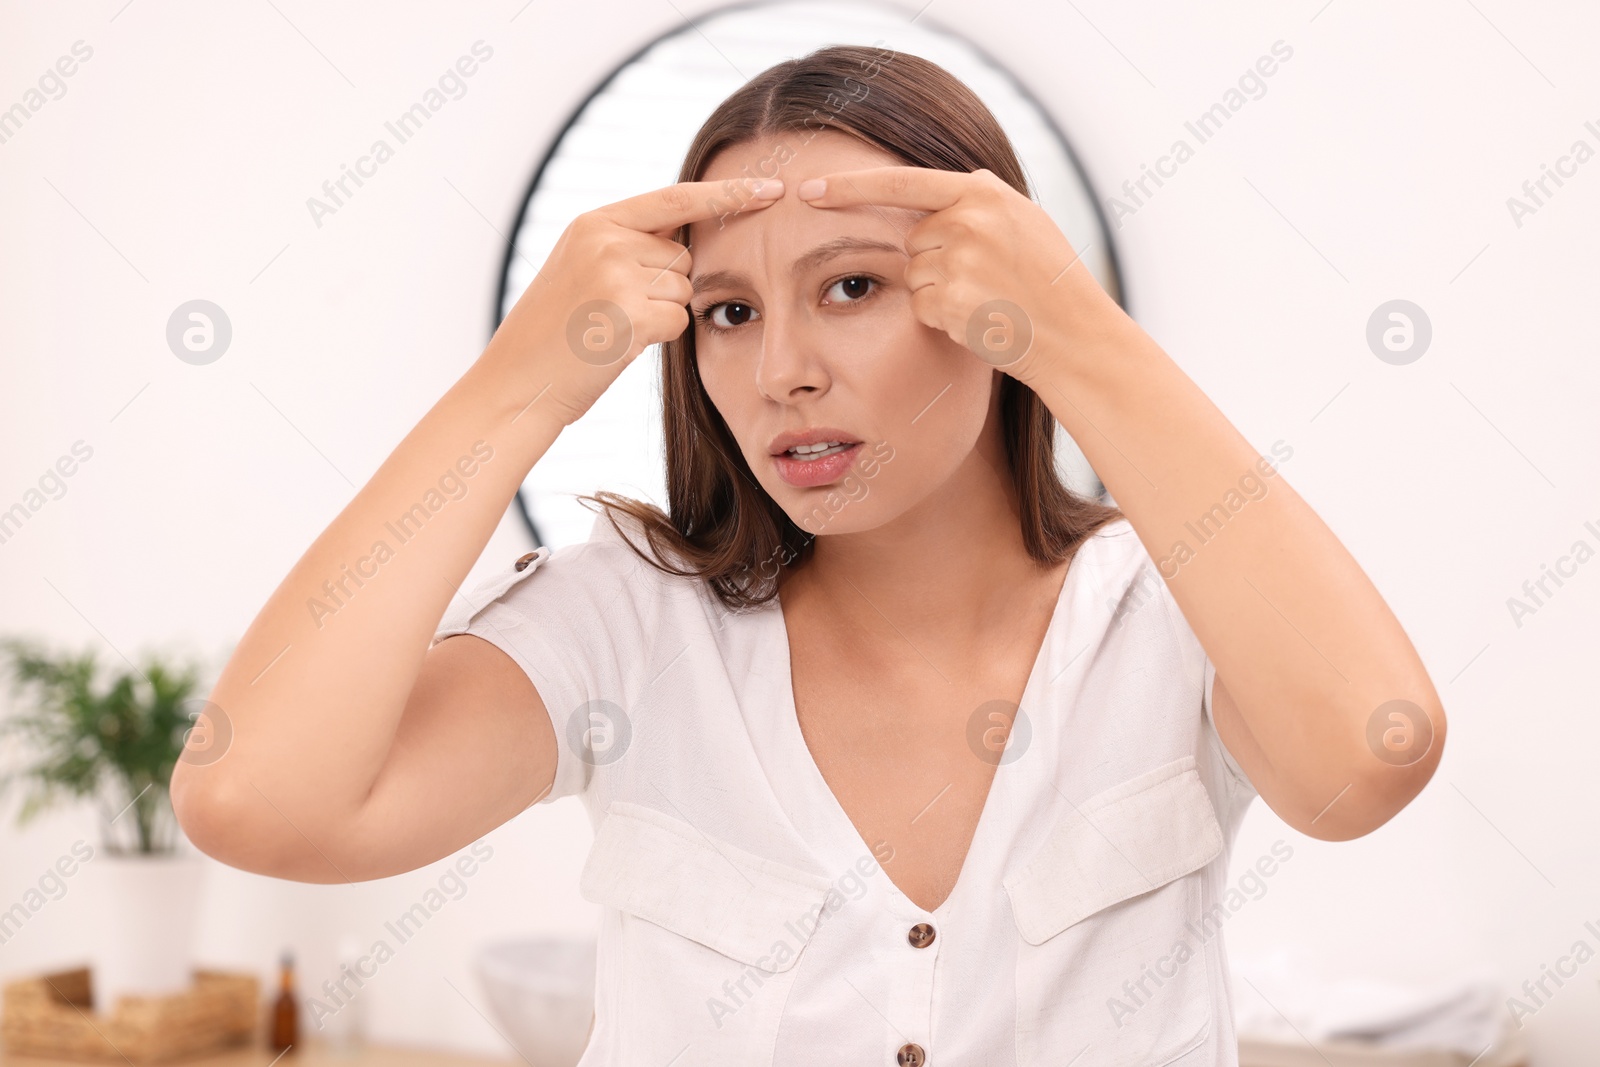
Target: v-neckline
(817,784)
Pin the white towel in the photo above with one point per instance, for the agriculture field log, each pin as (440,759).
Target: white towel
(1277,1001)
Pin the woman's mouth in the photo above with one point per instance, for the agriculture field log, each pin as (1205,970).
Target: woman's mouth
(806,466)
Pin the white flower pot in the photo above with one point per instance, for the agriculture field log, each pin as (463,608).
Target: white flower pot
(144,943)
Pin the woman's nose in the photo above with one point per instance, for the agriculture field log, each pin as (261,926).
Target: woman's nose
(790,363)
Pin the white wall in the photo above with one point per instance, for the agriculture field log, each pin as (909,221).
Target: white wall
(1376,166)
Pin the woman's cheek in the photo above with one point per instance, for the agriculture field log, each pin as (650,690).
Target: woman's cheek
(717,363)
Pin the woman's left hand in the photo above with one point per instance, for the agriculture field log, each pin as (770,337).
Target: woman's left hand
(988,266)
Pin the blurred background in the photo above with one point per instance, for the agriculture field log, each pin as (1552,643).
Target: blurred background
(1376,245)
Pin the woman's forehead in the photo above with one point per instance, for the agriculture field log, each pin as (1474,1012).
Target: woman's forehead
(780,236)
(795,155)
(790,226)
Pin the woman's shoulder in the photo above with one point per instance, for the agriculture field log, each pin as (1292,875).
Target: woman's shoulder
(1112,553)
(1113,540)
(620,542)
(581,582)
(1117,547)
(619,571)
(615,556)
(1121,572)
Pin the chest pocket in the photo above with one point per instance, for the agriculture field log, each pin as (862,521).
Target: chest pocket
(703,945)
(1116,963)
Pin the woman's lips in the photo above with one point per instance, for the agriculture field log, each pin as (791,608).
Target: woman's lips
(808,473)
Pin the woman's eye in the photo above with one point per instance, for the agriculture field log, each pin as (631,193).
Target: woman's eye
(854,288)
(726,316)
(731,314)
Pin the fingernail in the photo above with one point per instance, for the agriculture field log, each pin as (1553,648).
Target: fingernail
(812,188)
(768,189)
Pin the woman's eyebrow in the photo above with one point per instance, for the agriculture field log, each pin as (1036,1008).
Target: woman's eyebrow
(838,246)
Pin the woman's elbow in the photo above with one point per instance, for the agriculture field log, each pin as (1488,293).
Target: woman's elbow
(229,820)
(1372,784)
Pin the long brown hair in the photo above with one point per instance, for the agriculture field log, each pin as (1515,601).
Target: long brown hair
(721,526)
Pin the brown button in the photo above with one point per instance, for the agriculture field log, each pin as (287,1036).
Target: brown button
(911,1055)
(920,935)
(522,564)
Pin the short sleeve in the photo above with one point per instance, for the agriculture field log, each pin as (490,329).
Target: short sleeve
(1149,576)
(570,617)
(1241,779)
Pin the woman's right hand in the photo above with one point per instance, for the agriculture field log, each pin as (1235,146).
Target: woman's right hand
(355,747)
(614,284)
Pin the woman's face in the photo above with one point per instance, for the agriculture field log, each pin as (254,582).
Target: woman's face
(802,321)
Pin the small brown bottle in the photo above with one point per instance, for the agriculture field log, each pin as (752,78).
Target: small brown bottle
(285,1012)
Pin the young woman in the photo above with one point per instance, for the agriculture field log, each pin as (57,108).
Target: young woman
(897,751)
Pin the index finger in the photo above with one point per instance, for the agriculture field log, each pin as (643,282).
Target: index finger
(664,210)
(917,188)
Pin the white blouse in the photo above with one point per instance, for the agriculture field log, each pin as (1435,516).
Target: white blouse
(746,922)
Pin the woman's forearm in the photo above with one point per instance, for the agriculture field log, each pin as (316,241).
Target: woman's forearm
(314,691)
(1307,648)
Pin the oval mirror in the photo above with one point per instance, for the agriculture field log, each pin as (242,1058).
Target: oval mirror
(630,136)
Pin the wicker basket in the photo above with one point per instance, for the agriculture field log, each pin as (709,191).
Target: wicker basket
(50,1016)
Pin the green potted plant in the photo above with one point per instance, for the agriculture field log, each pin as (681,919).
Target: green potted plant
(114,743)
